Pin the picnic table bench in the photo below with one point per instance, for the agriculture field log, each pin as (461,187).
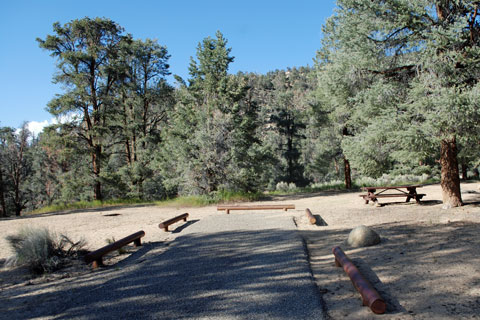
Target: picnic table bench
(410,192)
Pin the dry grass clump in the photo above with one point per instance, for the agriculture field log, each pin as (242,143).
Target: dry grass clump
(43,251)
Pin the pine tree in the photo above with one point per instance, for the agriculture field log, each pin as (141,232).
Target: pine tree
(17,167)
(212,129)
(86,51)
(145,98)
(415,61)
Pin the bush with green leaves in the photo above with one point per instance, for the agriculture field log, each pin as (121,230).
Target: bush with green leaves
(286,187)
(41,250)
(394,180)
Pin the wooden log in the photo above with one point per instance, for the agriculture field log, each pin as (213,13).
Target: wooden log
(310,216)
(370,296)
(97,255)
(256,207)
(166,223)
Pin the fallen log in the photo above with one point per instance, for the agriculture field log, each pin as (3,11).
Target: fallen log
(370,296)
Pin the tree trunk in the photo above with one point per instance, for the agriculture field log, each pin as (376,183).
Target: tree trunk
(97,188)
(450,180)
(337,168)
(348,174)
(464,172)
(2,197)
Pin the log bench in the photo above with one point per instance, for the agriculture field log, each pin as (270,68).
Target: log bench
(257,207)
(164,225)
(97,255)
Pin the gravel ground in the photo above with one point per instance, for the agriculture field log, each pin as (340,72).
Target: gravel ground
(237,266)
(252,264)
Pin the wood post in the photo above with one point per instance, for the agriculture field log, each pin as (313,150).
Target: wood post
(370,296)
(310,216)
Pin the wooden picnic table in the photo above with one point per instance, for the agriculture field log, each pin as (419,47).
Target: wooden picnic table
(410,192)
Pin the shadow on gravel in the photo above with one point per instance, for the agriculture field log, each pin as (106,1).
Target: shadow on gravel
(432,270)
(184,226)
(412,202)
(239,274)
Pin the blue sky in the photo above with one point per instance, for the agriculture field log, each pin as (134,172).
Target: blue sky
(263,35)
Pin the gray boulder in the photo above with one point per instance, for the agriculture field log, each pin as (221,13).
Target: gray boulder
(363,236)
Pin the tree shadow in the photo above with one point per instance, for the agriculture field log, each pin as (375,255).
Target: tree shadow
(412,202)
(393,305)
(238,274)
(184,226)
(423,269)
(319,221)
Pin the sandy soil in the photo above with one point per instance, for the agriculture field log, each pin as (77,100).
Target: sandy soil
(427,265)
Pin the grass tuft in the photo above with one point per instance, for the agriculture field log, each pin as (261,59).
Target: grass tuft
(79,205)
(41,250)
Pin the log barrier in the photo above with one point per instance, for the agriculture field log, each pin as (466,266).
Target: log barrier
(310,216)
(164,225)
(370,296)
(258,207)
(97,255)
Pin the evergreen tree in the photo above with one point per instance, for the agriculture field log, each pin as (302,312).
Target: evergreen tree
(87,51)
(3,172)
(146,99)
(414,61)
(284,100)
(211,134)
(17,164)
(288,117)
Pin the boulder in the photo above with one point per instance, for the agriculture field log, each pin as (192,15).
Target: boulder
(363,236)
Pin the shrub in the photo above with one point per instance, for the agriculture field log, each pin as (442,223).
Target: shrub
(42,251)
(327,185)
(282,186)
(387,180)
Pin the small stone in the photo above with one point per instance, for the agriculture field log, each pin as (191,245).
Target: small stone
(363,236)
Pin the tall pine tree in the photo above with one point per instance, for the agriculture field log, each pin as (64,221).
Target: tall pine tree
(86,51)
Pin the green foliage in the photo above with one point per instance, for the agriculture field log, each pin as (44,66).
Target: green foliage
(221,196)
(16,193)
(396,78)
(79,205)
(395,180)
(42,251)
(87,52)
(392,80)
(211,143)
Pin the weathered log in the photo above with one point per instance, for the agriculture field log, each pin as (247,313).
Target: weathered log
(257,207)
(97,255)
(370,296)
(165,224)
(310,216)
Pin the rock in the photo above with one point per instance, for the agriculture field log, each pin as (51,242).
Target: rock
(363,236)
